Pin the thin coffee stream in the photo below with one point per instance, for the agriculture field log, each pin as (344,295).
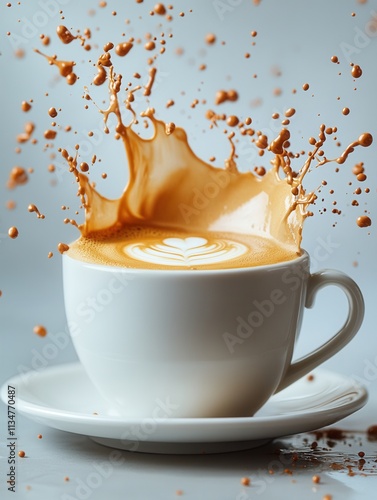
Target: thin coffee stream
(178,212)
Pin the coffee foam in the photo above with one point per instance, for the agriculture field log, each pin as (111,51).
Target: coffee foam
(156,248)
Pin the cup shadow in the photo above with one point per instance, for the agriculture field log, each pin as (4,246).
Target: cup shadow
(273,457)
(298,454)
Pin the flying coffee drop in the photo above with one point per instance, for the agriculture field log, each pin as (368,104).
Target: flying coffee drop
(63,247)
(150,45)
(13,232)
(17,177)
(210,38)
(356,71)
(364,221)
(160,9)
(50,134)
(122,49)
(26,135)
(232,121)
(33,208)
(65,67)
(64,34)
(25,106)
(52,112)
(225,95)
(40,330)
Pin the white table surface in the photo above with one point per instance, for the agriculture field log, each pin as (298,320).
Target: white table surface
(31,284)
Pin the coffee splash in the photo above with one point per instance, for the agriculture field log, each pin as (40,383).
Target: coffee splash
(169,187)
(173,191)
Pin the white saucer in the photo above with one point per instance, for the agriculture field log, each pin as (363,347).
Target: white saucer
(62,397)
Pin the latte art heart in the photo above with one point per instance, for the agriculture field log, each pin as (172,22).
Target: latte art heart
(185,252)
(143,247)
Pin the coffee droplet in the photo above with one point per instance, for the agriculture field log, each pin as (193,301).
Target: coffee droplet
(224,95)
(149,85)
(356,71)
(364,221)
(52,112)
(232,121)
(25,106)
(84,167)
(11,204)
(50,134)
(33,208)
(365,140)
(17,177)
(150,45)
(277,145)
(290,112)
(65,67)
(169,128)
(63,247)
(64,34)
(122,49)
(40,330)
(160,9)
(13,232)
(210,38)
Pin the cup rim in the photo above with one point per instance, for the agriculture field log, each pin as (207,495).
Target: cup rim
(198,272)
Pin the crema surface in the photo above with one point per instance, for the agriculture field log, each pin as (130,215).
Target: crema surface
(157,248)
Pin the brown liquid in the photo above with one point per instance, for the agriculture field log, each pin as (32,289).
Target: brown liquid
(178,211)
(156,248)
(173,190)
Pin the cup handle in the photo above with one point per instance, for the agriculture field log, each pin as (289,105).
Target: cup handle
(351,326)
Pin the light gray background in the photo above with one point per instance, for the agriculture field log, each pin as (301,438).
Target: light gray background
(298,38)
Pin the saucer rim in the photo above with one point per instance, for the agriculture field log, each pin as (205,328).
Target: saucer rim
(32,410)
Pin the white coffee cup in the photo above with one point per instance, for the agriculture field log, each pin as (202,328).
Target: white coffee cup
(212,343)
